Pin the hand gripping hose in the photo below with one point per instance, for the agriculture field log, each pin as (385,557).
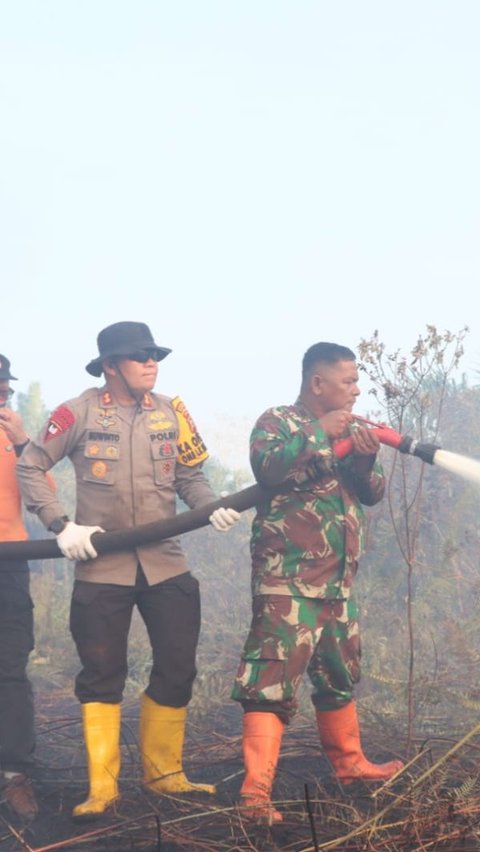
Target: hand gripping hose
(108,542)
(128,539)
(388,436)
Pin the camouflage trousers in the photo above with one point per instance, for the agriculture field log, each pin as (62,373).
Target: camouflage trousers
(293,635)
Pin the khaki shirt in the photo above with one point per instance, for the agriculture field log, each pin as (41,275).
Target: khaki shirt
(128,472)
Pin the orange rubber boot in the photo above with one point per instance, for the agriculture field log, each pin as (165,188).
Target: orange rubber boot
(340,737)
(262,737)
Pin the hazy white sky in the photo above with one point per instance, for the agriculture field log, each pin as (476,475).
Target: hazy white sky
(247,177)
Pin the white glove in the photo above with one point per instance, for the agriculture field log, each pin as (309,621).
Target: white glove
(74,541)
(222,519)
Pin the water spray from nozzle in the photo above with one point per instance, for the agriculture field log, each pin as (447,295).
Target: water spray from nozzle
(431,453)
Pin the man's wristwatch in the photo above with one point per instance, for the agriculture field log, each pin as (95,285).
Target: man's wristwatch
(58,524)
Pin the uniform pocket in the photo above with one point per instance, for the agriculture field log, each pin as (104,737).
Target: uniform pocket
(163,455)
(100,463)
(264,648)
(270,633)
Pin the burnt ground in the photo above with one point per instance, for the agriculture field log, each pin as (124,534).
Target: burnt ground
(440,813)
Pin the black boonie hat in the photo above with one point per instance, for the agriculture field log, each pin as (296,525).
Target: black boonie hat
(5,369)
(121,339)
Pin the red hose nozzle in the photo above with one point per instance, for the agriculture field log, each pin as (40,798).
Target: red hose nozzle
(387,435)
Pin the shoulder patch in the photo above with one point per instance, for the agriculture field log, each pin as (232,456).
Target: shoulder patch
(60,421)
(191,448)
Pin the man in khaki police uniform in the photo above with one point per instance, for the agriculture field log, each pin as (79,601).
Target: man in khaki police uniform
(133,452)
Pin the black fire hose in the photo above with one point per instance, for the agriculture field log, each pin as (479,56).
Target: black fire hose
(108,542)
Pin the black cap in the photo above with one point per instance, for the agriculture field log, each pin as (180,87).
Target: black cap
(121,339)
(5,369)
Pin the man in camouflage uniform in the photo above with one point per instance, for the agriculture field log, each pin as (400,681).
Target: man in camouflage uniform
(307,537)
(133,452)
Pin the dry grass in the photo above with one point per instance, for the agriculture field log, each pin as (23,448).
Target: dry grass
(433,805)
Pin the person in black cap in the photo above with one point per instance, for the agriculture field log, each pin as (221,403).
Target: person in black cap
(17,740)
(133,452)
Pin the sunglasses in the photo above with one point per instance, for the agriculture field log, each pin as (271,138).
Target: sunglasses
(143,355)
(6,394)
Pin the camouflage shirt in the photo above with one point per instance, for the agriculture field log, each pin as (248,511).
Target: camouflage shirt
(307,540)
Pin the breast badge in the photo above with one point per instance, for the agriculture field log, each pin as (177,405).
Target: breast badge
(99,469)
(158,421)
(107,418)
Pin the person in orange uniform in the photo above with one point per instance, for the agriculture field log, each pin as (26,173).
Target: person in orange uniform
(17,739)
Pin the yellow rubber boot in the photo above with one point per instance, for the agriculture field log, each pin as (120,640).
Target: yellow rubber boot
(162,733)
(101,730)
(261,741)
(340,736)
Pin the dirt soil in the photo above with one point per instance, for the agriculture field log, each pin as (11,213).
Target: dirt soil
(316,810)
(141,820)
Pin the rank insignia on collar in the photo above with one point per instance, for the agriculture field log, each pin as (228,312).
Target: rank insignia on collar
(147,401)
